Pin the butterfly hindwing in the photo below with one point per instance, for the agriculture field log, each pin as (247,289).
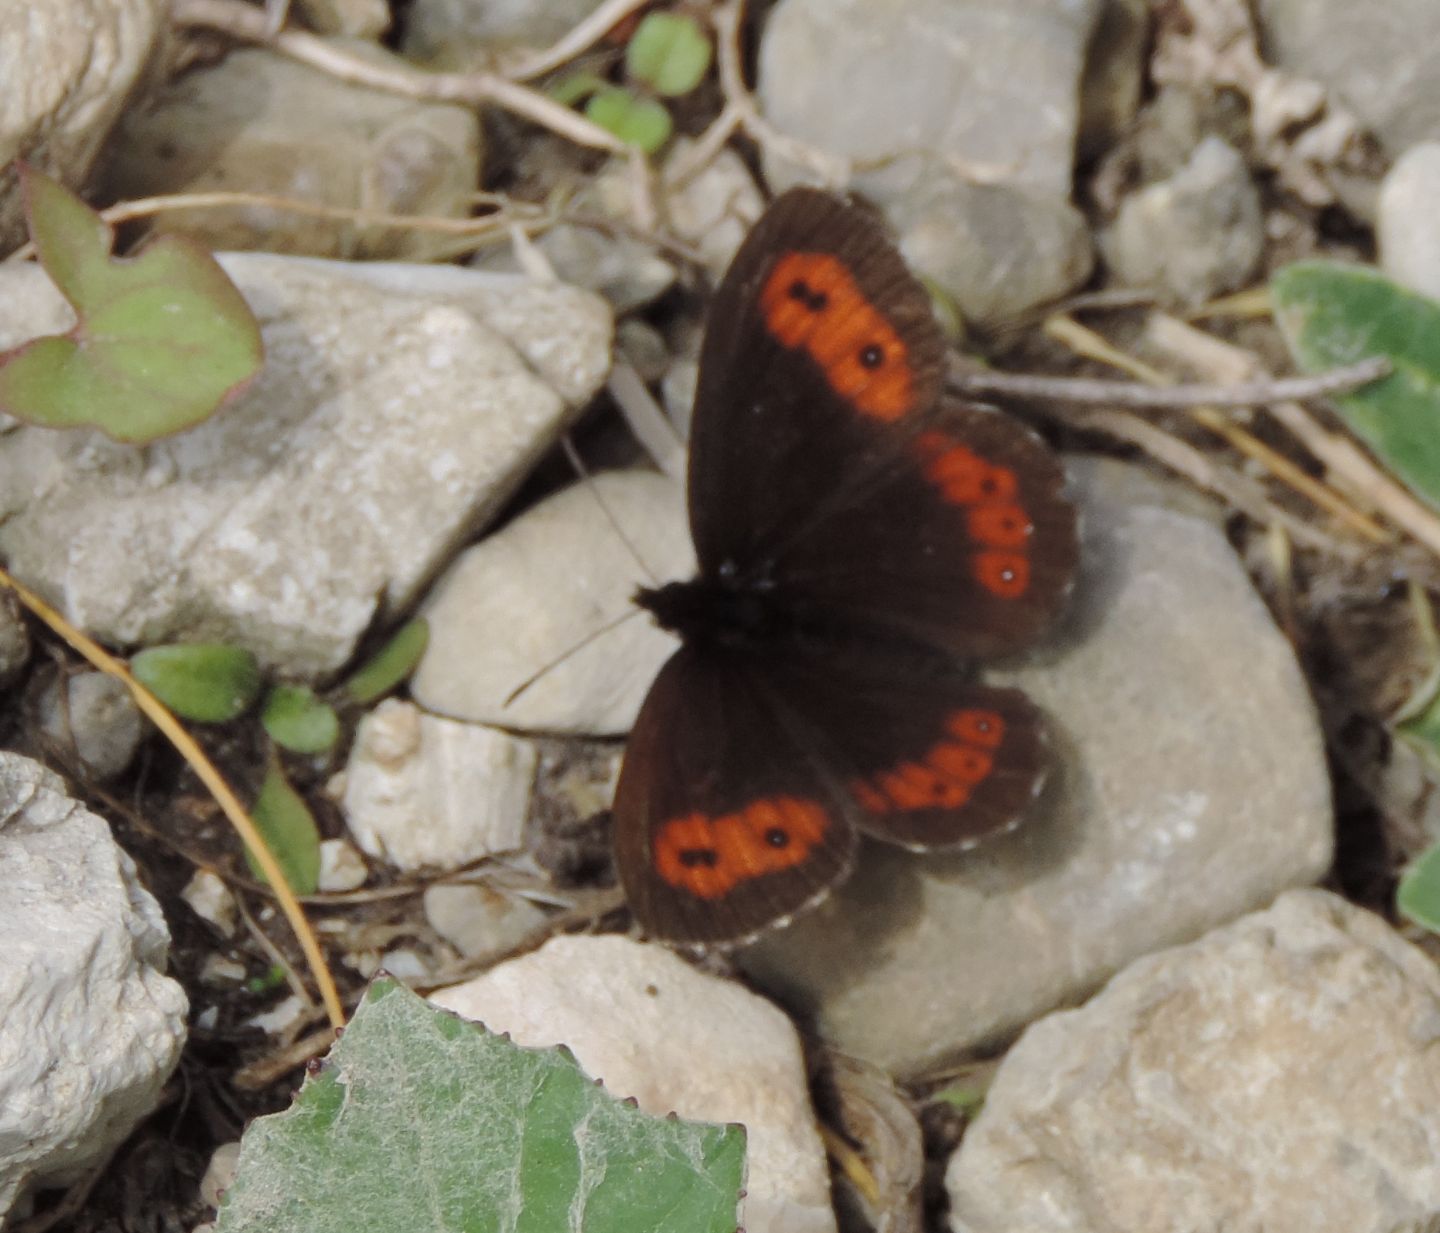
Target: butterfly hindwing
(746,780)
(722,825)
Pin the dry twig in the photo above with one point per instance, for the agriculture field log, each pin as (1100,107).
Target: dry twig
(242,22)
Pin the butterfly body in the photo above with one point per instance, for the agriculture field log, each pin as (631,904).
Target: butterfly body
(859,543)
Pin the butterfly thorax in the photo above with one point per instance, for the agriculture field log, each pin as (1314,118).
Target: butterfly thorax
(721,610)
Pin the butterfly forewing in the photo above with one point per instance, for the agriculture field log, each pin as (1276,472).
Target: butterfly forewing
(852,489)
(772,441)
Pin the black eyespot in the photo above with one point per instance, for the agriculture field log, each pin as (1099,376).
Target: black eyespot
(777,838)
(872,356)
(699,858)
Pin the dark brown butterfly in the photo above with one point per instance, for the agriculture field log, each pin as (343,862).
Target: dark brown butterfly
(859,540)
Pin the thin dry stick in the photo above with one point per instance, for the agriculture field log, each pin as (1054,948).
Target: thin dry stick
(274,954)
(1087,342)
(579,38)
(1173,453)
(1130,394)
(204,769)
(741,111)
(146,207)
(239,21)
(1346,461)
(1347,466)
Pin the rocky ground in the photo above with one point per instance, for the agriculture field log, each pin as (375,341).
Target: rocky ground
(1181,989)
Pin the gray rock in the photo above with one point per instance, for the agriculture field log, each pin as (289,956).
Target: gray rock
(454,31)
(271,125)
(358,19)
(428,793)
(1280,1073)
(69,67)
(1194,236)
(1409,239)
(14,638)
(993,88)
(399,407)
(99,720)
(654,1028)
(628,272)
(480,921)
(713,209)
(997,251)
(1378,58)
(92,1027)
(525,601)
(1190,786)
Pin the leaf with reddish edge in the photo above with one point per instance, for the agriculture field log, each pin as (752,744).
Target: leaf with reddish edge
(162,340)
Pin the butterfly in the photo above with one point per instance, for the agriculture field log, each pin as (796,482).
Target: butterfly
(860,540)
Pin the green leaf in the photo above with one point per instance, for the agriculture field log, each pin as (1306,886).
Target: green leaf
(669,52)
(1418,896)
(636,121)
(1333,315)
(208,682)
(420,1121)
(571,88)
(161,340)
(295,718)
(391,664)
(290,833)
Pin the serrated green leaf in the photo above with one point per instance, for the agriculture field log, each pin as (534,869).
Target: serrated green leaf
(421,1121)
(282,817)
(669,52)
(162,340)
(208,682)
(1333,315)
(391,664)
(636,121)
(299,721)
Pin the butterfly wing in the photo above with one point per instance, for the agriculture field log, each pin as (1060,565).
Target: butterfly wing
(747,777)
(821,460)
(723,825)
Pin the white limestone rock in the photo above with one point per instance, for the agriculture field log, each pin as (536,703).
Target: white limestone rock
(90,1025)
(424,792)
(1283,1072)
(397,411)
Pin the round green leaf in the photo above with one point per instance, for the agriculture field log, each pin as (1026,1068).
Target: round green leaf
(636,121)
(207,682)
(297,720)
(669,53)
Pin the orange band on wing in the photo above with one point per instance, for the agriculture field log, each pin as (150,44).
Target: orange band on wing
(994,518)
(946,775)
(810,301)
(710,857)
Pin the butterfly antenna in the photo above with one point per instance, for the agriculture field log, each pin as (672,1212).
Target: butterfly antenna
(568,652)
(584,473)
